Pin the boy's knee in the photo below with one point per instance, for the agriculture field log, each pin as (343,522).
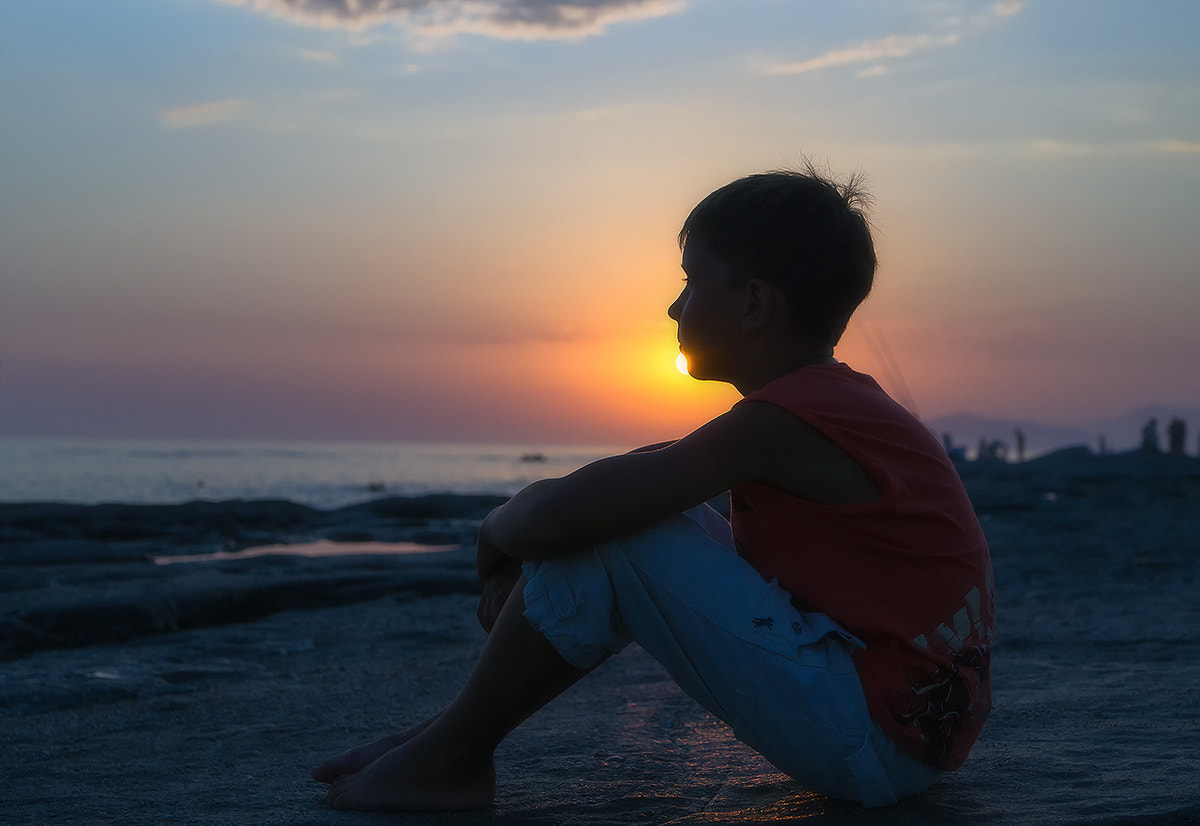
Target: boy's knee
(569,600)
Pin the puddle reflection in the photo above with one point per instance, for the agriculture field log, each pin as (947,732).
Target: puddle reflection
(322,547)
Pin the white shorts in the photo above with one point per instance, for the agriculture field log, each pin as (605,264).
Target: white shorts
(782,678)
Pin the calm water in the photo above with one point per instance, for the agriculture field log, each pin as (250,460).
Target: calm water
(323,475)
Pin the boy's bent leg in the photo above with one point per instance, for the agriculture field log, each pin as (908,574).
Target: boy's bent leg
(496,592)
(783,679)
(448,764)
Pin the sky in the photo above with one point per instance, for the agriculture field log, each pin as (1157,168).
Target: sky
(439,220)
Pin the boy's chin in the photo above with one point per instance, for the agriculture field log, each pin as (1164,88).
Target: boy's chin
(700,373)
(703,369)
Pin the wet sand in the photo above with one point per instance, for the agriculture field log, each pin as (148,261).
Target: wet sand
(201,693)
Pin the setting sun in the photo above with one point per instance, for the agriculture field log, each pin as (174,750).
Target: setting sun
(681,364)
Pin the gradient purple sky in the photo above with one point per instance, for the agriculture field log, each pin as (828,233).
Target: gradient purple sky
(439,220)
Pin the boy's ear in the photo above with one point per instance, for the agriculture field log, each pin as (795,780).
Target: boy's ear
(764,304)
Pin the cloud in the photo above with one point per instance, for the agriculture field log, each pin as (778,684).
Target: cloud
(505,19)
(872,51)
(318,56)
(1176,147)
(202,114)
(1065,149)
(951,18)
(1079,149)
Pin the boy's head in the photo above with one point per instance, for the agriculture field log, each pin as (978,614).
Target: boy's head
(800,231)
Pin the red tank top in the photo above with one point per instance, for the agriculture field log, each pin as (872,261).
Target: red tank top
(909,574)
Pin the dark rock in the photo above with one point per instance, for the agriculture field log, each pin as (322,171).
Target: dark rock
(434,506)
(94,604)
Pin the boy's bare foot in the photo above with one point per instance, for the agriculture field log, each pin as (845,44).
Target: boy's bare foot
(355,759)
(409,778)
(358,758)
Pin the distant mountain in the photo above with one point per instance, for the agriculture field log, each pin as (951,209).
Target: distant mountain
(1123,433)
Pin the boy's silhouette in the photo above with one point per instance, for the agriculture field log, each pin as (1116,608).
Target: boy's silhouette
(841,625)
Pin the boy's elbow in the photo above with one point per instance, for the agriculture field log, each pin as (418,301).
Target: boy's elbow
(532,529)
(542,534)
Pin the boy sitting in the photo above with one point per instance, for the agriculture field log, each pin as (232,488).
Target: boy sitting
(841,624)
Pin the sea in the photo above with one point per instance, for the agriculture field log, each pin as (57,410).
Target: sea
(319,474)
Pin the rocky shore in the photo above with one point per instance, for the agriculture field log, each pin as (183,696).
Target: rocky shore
(76,575)
(200,692)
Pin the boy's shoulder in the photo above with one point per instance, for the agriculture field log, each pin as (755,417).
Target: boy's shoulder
(803,459)
(827,395)
(852,430)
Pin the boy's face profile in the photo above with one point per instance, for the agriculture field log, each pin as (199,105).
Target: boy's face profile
(707,312)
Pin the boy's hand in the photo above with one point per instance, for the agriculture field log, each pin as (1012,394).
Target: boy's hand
(496,588)
(498,573)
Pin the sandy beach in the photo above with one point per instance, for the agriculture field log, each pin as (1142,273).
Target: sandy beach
(201,693)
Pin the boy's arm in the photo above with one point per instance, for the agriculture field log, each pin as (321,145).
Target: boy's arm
(621,494)
(655,446)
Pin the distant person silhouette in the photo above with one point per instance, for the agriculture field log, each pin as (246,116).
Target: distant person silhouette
(1176,436)
(1150,437)
(957,453)
(1103,445)
(1020,437)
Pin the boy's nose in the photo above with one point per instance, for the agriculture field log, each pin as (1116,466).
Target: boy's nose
(673,310)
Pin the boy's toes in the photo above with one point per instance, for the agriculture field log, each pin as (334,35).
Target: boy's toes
(345,794)
(356,759)
(335,767)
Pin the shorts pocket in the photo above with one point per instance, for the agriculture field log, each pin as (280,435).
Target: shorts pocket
(578,625)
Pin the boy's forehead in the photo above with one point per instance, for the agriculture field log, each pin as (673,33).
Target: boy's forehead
(697,256)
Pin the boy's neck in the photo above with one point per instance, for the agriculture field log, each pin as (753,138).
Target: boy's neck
(779,364)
